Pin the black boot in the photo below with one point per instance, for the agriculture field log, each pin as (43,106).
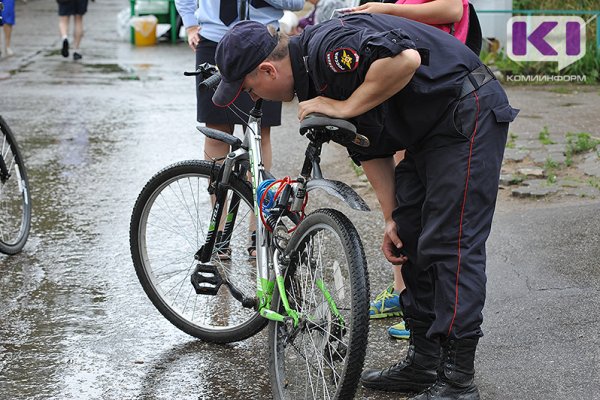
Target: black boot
(415,373)
(455,375)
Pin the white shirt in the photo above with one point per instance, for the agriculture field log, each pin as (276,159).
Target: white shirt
(205,13)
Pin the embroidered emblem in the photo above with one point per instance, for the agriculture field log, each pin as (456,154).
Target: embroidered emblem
(342,60)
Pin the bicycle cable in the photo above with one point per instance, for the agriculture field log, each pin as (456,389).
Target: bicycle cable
(265,193)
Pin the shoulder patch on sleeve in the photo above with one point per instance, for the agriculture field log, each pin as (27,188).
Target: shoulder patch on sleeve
(342,60)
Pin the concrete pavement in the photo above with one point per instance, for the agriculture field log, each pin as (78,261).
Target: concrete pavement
(541,318)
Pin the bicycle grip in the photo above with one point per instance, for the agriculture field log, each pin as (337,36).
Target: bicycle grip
(210,83)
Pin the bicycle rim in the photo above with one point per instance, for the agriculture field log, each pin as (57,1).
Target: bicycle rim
(169,224)
(327,283)
(15,199)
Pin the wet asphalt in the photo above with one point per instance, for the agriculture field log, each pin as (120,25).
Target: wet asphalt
(76,324)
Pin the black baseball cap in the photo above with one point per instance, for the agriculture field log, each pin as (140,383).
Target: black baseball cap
(239,52)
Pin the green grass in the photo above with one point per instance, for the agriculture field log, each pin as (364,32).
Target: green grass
(517,179)
(581,142)
(562,90)
(358,170)
(577,143)
(588,66)
(544,137)
(550,168)
(510,143)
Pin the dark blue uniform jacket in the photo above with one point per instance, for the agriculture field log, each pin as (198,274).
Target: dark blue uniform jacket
(332,59)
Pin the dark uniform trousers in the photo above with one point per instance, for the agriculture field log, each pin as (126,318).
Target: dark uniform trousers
(446,189)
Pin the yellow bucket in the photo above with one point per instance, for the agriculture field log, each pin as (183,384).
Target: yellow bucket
(144,30)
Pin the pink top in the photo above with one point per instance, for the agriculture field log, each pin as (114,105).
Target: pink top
(460,28)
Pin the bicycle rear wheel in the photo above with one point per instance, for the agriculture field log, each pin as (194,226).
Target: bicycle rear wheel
(169,224)
(15,199)
(327,283)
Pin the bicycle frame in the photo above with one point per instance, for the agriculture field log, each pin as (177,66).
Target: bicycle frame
(268,257)
(264,259)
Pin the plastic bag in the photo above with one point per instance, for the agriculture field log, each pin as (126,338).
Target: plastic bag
(144,24)
(123,23)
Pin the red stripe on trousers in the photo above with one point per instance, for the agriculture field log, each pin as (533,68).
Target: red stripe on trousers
(462,211)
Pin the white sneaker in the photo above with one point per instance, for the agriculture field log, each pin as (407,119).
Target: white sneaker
(9,52)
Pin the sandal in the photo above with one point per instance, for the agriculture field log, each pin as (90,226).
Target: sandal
(223,250)
(252,247)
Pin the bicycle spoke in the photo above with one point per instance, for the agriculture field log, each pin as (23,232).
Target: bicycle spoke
(169,226)
(313,360)
(15,205)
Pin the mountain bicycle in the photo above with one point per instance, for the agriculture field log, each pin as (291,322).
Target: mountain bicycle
(15,198)
(309,281)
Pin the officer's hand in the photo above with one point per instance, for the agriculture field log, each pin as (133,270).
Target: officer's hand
(392,245)
(324,105)
(193,36)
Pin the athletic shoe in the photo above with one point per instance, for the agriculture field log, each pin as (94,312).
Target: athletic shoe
(399,331)
(65,48)
(386,304)
(77,56)
(9,52)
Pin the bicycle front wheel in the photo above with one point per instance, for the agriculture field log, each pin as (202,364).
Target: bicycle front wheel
(169,225)
(15,199)
(327,284)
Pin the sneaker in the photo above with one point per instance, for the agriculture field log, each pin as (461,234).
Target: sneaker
(399,331)
(77,56)
(386,304)
(9,52)
(65,48)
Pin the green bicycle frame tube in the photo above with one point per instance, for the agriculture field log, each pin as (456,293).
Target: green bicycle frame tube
(257,170)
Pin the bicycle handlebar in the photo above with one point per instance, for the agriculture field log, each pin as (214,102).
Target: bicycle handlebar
(210,76)
(211,82)
(324,128)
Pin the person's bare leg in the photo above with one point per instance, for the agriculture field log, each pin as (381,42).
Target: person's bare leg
(63,26)
(398,281)
(7,34)
(267,153)
(399,285)
(398,156)
(214,149)
(78,32)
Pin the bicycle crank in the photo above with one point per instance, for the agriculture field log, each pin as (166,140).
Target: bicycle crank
(206,279)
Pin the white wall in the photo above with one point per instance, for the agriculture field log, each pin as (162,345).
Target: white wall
(493,25)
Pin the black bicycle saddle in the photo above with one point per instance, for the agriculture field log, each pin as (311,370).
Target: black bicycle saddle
(338,130)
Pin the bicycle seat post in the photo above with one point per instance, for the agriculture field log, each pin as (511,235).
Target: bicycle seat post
(312,161)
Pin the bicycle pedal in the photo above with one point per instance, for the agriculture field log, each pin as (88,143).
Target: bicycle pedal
(206,279)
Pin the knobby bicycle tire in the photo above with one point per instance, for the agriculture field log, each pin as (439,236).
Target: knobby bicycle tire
(15,196)
(327,283)
(168,225)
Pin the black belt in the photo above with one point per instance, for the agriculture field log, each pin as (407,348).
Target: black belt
(476,79)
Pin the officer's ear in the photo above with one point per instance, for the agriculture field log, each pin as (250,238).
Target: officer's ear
(268,68)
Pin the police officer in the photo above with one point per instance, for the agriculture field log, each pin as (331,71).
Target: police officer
(406,86)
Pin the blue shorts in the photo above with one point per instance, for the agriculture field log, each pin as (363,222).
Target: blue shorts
(8,14)
(74,7)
